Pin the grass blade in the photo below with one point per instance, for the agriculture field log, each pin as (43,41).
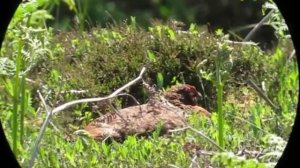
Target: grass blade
(16,91)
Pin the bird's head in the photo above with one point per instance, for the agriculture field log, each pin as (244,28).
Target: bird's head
(189,94)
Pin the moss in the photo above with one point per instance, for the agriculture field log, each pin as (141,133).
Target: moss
(103,59)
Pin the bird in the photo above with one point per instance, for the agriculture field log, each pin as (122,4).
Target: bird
(183,94)
(169,108)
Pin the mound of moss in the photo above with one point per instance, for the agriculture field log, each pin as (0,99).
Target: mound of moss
(103,59)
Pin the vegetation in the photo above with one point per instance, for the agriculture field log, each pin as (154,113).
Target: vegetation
(251,129)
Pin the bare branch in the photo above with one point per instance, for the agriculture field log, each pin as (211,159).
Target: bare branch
(171,165)
(194,163)
(66,105)
(241,42)
(207,138)
(38,111)
(179,129)
(114,94)
(41,133)
(74,91)
(263,95)
(200,133)
(44,102)
(258,25)
(293,53)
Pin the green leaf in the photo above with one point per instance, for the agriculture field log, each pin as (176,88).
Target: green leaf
(193,28)
(71,4)
(160,80)
(171,34)
(78,145)
(151,56)
(219,32)
(105,149)
(8,86)
(54,75)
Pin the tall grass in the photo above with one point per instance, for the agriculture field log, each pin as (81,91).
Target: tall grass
(219,85)
(16,99)
(24,98)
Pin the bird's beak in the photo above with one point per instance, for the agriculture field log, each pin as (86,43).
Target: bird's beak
(199,95)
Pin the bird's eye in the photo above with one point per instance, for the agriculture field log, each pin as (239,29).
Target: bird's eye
(193,92)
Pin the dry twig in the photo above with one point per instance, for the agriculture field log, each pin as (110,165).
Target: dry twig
(62,107)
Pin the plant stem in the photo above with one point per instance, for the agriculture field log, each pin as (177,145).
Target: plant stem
(220,113)
(16,95)
(24,100)
(220,102)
